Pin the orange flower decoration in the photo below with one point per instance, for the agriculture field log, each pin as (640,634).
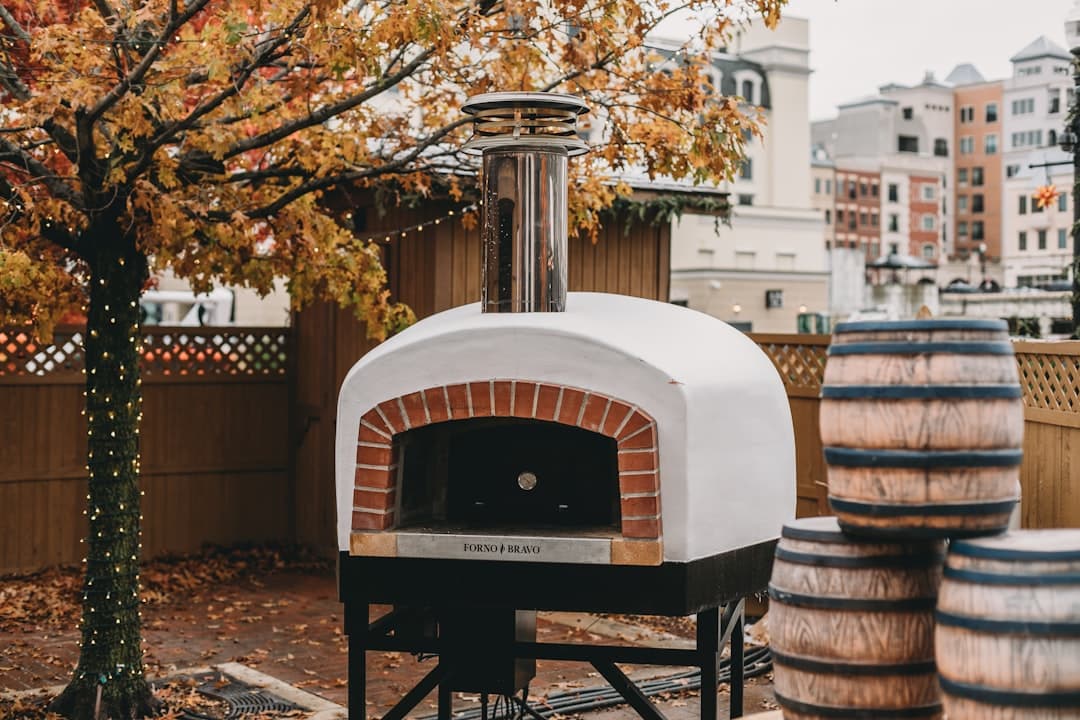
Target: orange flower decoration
(1045,196)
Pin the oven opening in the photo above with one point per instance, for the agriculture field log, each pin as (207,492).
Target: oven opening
(508,476)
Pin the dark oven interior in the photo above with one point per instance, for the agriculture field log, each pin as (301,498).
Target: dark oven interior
(507,475)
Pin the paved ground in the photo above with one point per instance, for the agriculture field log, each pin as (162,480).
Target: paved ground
(288,624)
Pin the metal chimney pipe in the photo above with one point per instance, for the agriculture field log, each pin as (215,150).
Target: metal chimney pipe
(526,140)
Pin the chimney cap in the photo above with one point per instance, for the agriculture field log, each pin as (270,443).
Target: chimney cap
(526,119)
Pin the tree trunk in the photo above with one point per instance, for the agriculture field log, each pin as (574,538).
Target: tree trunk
(109,680)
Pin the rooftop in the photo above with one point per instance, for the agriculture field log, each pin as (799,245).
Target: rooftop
(1041,47)
(965,74)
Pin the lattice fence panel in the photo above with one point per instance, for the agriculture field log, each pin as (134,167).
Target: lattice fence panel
(800,365)
(165,352)
(1050,381)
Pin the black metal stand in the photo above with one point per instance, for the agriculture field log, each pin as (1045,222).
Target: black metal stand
(392,633)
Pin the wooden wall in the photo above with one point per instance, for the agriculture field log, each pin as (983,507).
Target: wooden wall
(215,460)
(431,270)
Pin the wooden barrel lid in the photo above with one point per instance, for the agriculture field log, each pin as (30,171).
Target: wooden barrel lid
(1023,546)
(816,529)
(918,325)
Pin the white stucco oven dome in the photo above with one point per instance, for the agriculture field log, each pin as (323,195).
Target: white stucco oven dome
(692,413)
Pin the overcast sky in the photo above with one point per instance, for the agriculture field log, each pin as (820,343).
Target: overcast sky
(857,45)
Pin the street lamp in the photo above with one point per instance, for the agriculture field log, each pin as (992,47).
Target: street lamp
(1069,143)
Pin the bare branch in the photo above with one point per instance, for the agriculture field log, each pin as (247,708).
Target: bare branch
(12,23)
(38,172)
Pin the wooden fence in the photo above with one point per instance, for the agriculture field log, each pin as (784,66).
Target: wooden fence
(214,442)
(1050,378)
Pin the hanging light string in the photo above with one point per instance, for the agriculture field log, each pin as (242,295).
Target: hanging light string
(386,236)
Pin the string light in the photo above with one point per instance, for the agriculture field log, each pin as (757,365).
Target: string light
(404,231)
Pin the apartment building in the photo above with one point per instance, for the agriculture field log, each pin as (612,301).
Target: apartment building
(769,265)
(858,210)
(823,175)
(977,185)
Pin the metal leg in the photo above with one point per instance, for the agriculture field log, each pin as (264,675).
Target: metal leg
(708,646)
(737,648)
(446,701)
(626,687)
(419,692)
(356,626)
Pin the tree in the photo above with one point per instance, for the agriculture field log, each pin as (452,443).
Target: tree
(202,135)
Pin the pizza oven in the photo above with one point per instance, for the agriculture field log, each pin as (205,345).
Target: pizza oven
(550,450)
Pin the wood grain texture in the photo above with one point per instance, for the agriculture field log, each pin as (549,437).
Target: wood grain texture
(928,369)
(963,709)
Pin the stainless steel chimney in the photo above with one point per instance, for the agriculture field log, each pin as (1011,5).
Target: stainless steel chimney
(526,139)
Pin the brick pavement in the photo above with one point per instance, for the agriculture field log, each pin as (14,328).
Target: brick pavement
(287,624)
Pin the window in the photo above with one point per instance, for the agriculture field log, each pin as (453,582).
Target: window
(1042,239)
(929,222)
(928,251)
(817,186)
(961,203)
(840,216)
(745,199)
(977,176)
(962,176)
(746,171)
(967,145)
(1035,206)
(874,219)
(1063,239)
(977,230)
(1055,102)
(1063,202)
(907,143)
(851,189)
(1011,170)
(990,144)
(941,147)
(828,186)
(977,203)
(961,229)
(1023,107)
(828,217)
(1030,138)
(908,113)
(1051,138)
(929,193)
(851,221)
(1022,244)
(991,112)
(1023,204)
(967,114)
(862,188)
(862,218)
(748,91)
(894,222)
(874,189)
(894,192)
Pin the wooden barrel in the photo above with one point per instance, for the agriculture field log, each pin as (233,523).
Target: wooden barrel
(1008,627)
(923,427)
(851,624)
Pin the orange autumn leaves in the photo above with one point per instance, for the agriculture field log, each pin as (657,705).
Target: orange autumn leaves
(214,130)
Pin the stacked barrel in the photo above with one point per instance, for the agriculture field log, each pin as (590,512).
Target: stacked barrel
(922,423)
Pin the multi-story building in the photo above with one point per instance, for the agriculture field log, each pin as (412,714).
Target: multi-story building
(823,175)
(769,265)
(1036,246)
(858,210)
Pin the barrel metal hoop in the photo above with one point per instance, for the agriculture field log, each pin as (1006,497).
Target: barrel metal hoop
(1012,627)
(917,325)
(909,561)
(922,348)
(921,392)
(858,713)
(1043,698)
(942,510)
(847,668)
(857,457)
(991,578)
(907,534)
(975,550)
(815,602)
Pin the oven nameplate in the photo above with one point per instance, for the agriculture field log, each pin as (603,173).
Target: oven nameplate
(518,548)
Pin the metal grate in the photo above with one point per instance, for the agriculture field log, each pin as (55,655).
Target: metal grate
(243,699)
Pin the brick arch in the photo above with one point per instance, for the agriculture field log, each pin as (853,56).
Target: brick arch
(375,487)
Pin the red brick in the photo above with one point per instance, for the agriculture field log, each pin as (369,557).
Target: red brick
(366,455)
(594,412)
(571,406)
(393,414)
(644,439)
(546,402)
(369,435)
(641,528)
(366,477)
(414,407)
(372,500)
(637,421)
(629,484)
(459,401)
(436,404)
(371,521)
(637,461)
(502,398)
(524,394)
(481,398)
(371,417)
(639,506)
(615,415)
